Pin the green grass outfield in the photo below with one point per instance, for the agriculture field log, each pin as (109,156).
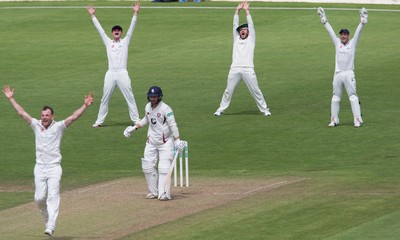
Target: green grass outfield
(55,56)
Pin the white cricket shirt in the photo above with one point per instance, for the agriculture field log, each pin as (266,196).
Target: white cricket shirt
(162,124)
(243,50)
(48,141)
(345,54)
(117,52)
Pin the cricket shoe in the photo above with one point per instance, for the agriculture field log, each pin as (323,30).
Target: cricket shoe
(267,113)
(96,125)
(357,124)
(48,232)
(332,124)
(151,196)
(164,198)
(218,113)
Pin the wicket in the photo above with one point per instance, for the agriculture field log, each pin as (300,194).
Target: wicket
(182,154)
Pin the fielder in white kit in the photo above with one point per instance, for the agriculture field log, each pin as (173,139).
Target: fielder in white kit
(48,171)
(344,68)
(117,74)
(162,135)
(242,67)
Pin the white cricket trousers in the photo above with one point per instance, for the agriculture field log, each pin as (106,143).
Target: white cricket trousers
(122,80)
(344,79)
(249,77)
(47,192)
(347,80)
(163,155)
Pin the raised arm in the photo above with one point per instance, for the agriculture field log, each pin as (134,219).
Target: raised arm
(236,19)
(88,101)
(363,21)
(328,27)
(97,24)
(136,8)
(131,28)
(9,93)
(357,33)
(332,34)
(252,31)
(246,7)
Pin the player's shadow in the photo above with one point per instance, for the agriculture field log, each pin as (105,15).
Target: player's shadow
(61,237)
(246,112)
(117,124)
(73,238)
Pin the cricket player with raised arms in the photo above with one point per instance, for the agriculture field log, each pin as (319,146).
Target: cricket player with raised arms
(344,76)
(117,74)
(162,137)
(242,67)
(48,171)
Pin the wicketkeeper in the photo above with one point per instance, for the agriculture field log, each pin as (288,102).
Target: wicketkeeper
(162,136)
(344,67)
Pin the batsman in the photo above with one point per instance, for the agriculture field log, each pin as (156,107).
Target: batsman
(344,67)
(162,137)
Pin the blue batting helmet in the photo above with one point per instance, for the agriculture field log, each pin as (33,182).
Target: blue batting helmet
(155,91)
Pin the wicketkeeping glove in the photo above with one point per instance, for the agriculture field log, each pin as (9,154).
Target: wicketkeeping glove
(364,15)
(321,14)
(129,130)
(180,145)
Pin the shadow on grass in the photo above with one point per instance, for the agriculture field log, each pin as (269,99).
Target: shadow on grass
(116,124)
(247,112)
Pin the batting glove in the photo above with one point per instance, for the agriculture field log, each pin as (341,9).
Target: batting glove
(180,145)
(364,15)
(129,130)
(321,13)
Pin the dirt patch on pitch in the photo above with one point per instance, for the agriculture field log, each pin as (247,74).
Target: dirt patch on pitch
(10,187)
(115,209)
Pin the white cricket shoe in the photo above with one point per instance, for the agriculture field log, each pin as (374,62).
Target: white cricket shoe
(332,124)
(164,198)
(150,196)
(267,113)
(217,113)
(357,124)
(96,125)
(48,232)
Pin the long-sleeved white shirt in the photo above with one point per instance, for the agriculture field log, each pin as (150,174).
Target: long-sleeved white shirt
(162,124)
(48,141)
(243,50)
(345,54)
(117,52)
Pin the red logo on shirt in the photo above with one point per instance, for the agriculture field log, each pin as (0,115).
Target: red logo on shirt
(112,46)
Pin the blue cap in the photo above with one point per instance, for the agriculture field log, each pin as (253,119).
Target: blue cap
(344,30)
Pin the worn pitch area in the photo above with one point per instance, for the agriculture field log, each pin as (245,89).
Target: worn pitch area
(117,208)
